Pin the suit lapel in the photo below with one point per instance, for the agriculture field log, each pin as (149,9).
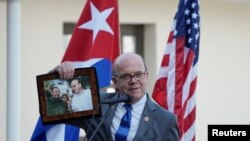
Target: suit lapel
(146,119)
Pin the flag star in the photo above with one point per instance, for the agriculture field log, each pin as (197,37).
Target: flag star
(193,5)
(187,12)
(196,25)
(197,36)
(98,21)
(189,31)
(175,32)
(196,49)
(188,21)
(190,40)
(194,15)
(185,2)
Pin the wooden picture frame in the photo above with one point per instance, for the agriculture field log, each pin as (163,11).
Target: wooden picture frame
(81,96)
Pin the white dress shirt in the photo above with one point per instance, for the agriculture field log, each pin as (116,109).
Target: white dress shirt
(82,101)
(137,109)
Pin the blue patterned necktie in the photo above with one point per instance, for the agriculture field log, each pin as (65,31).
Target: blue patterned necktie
(122,132)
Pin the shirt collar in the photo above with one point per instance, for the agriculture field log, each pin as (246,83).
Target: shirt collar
(141,102)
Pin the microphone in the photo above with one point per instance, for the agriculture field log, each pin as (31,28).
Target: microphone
(122,98)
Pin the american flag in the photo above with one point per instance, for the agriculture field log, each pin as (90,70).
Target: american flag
(175,88)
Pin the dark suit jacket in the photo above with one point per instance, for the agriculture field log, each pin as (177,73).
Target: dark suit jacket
(156,124)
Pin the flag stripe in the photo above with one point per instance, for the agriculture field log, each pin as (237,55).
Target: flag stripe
(162,72)
(190,103)
(171,79)
(189,134)
(165,60)
(57,130)
(161,97)
(189,120)
(88,63)
(188,76)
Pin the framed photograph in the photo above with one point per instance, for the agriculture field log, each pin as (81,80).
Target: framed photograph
(62,100)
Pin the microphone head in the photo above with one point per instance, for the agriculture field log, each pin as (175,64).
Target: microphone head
(128,98)
(121,98)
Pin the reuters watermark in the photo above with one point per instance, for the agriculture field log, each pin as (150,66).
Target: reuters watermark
(236,132)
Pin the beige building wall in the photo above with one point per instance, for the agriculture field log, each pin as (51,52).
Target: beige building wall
(223,74)
(3,67)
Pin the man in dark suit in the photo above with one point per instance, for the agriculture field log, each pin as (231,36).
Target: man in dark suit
(148,122)
(55,105)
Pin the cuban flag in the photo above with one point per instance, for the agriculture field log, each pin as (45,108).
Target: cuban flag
(94,43)
(95,40)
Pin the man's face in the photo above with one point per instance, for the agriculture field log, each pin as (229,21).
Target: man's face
(134,86)
(76,86)
(55,93)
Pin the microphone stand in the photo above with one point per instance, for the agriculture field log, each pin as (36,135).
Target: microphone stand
(101,122)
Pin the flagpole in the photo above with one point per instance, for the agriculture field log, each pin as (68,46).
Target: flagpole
(13,70)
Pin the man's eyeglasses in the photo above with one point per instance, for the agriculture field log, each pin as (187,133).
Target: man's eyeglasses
(128,77)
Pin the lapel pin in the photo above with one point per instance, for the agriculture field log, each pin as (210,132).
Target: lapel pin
(146,118)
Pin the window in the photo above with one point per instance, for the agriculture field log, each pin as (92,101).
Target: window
(132,38)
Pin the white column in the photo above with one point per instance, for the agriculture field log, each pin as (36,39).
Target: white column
(13,70)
